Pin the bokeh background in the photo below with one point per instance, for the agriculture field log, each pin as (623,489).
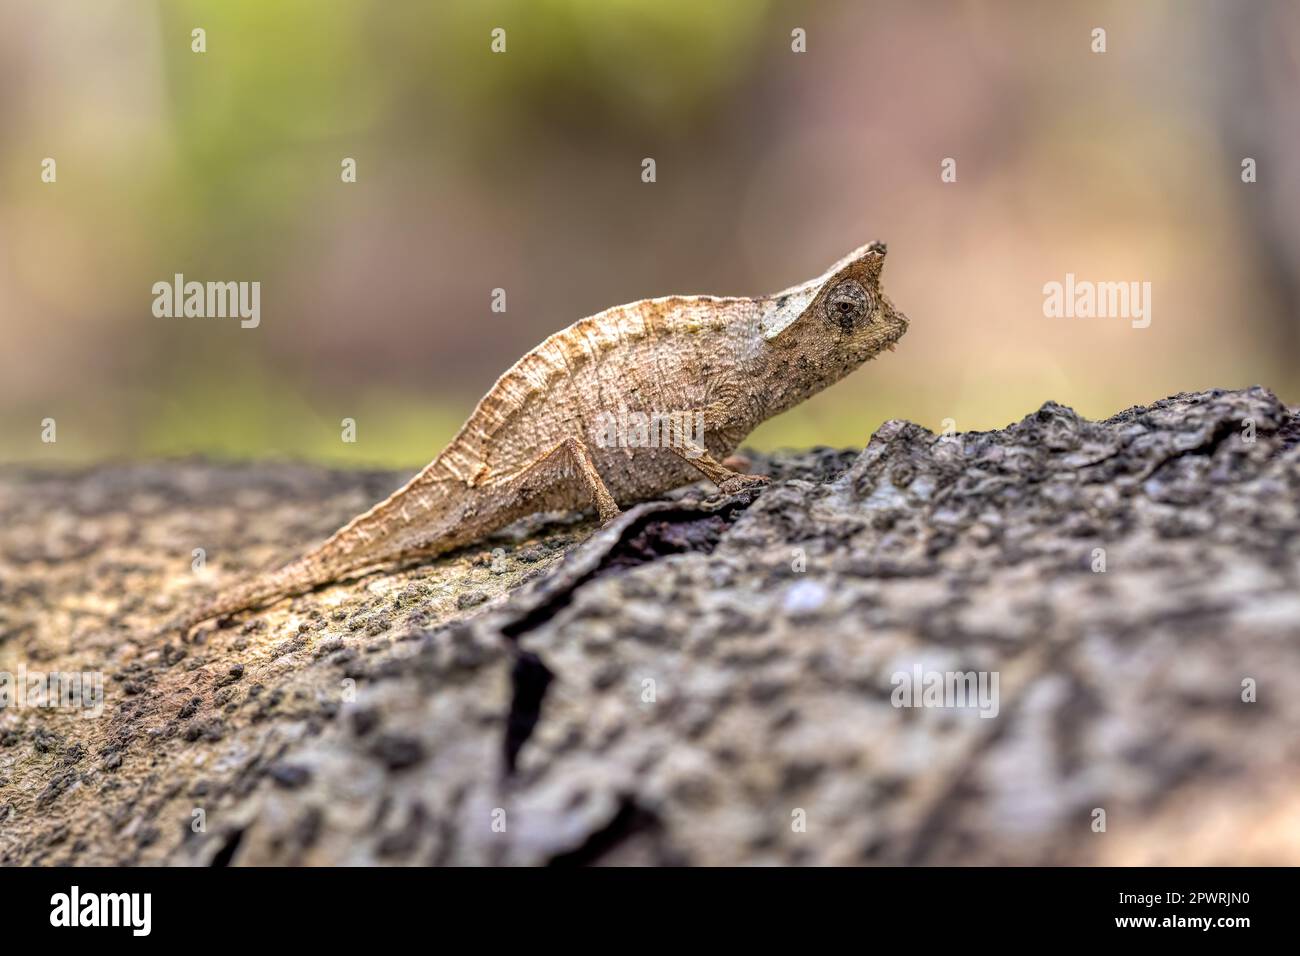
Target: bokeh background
(522,171)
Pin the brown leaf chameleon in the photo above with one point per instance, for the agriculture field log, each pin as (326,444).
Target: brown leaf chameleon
(531,444)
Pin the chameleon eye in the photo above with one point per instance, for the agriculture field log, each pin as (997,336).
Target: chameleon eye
(847,304)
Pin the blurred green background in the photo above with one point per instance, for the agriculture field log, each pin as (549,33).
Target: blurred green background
(522,171)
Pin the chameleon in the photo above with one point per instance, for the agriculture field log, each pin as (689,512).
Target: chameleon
(539,440)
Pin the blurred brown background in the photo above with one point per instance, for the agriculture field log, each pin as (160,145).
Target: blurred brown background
(522,171)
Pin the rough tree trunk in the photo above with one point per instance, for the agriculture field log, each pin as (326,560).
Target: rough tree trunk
(705,681)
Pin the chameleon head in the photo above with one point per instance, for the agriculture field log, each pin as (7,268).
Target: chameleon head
(841,318)
(859,317)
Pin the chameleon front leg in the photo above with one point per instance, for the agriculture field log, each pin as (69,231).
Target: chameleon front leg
(697,456)
(729,482)
(576,453)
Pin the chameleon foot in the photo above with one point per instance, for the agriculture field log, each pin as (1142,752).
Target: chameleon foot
(738,483)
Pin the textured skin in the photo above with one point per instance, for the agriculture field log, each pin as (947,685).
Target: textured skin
(737,361)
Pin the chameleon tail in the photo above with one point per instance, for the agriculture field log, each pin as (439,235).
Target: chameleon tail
(421,518)
(296,577)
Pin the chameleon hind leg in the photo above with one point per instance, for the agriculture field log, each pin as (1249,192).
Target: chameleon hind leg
(570,458)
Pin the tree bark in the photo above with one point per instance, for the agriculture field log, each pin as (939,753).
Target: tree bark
(706,681)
